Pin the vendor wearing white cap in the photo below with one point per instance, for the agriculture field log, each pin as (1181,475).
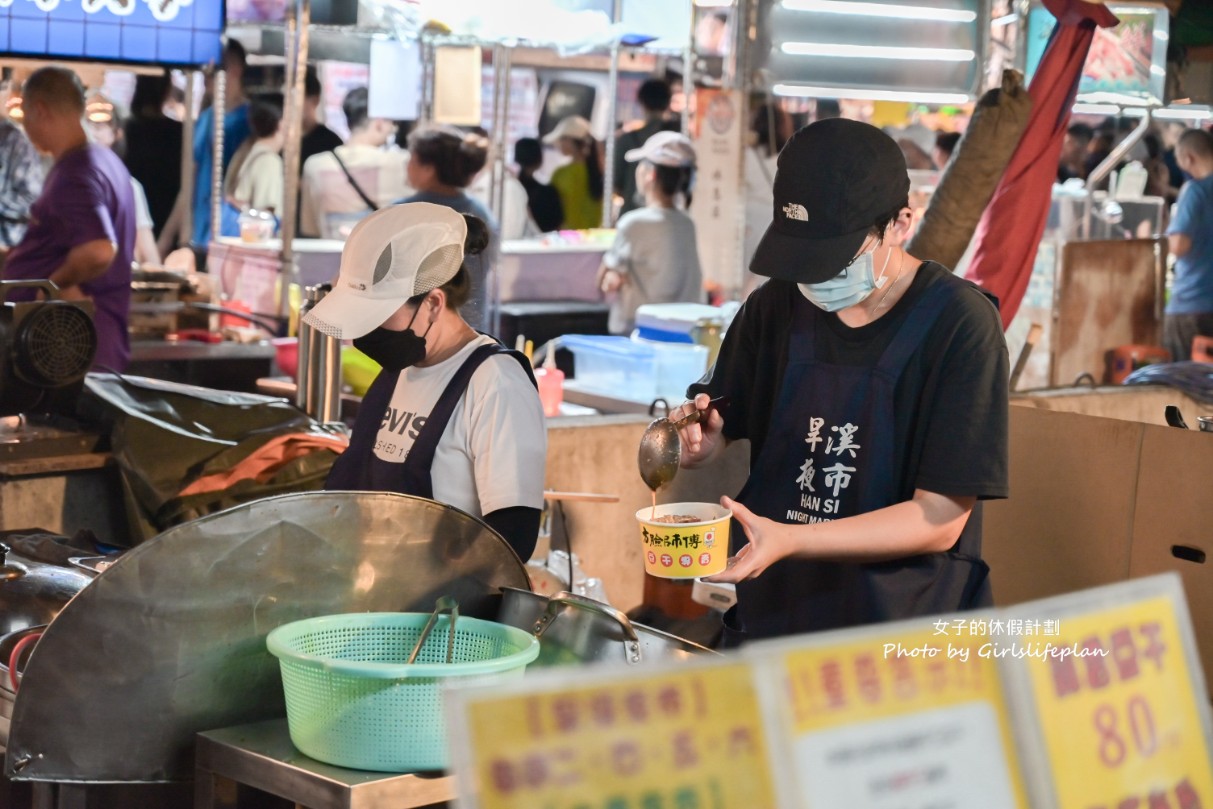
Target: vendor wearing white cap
(654,258)
(579,182)
(872,387)
(453,416)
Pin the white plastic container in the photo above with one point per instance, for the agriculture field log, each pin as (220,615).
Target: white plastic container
(634,369)
(673,322)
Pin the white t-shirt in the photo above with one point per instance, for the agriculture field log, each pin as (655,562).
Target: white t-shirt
(516,220)
(493,452)
(143,214)
(329,205)
(655,248)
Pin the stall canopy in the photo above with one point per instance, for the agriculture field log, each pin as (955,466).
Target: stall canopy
(1014,221)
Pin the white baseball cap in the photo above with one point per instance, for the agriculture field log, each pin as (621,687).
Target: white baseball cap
(664,149)
(574,127)
(391,256)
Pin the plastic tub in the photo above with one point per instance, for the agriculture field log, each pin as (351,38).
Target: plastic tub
(685,550)
(353,701)
(635,369)
(673,322)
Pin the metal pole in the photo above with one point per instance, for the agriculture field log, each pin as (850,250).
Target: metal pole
(298,22)
(608,169)
(427,80)
(688,59)
(186,234)
(501,129)
(1101,171)
(218,110)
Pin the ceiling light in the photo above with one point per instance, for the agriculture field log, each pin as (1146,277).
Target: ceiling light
(1173,114)
(1095,109)
(877,52)
(881,10)
(912,96)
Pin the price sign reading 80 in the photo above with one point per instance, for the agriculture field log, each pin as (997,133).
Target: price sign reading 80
(1121,720)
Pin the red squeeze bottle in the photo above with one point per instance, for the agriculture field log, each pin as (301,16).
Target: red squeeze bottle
(551,383)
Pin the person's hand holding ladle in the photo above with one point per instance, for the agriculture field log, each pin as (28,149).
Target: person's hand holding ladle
(688,437)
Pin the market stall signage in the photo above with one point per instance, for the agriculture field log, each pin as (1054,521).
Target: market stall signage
(1119,701)
(913,717)
(688,737)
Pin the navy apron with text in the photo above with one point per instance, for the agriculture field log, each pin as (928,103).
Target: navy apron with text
(829,455)
(359,469)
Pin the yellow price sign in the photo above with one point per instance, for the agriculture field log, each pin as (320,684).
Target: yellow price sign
(909,718)
(1118,711)
(685,739)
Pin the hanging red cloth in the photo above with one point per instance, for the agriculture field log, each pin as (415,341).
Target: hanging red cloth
(1011,227)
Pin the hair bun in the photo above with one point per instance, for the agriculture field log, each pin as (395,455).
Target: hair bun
(477,239)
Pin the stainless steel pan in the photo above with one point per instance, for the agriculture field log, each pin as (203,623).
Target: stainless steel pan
(574,629)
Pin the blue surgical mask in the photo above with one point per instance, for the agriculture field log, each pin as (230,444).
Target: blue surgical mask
(848,288)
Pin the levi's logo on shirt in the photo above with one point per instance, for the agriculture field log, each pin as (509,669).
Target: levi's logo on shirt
(398,421)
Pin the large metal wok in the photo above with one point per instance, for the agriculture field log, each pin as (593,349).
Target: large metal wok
(170,640)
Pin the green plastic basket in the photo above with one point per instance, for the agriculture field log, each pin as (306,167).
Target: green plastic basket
(353,701)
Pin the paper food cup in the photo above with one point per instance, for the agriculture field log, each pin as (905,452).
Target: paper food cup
(685,550)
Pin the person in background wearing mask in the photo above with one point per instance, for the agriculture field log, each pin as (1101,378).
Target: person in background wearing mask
(21,176)
(343,186)
(873,389)
(82,228)
(579,182)
(654,258)
(543,201)
(317,138)
(1190,239)
(654,98)
(105,129)
(453,416)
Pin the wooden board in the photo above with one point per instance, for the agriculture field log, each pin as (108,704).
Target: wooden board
(1107,295)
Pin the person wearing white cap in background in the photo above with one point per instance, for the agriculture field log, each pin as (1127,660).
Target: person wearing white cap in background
(654,258)
(579,182)
(453,416)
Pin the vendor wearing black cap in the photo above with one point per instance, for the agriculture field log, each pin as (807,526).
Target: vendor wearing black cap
(873,388)
(453,416)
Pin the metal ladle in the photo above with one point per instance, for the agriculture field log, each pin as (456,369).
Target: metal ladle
(661,447)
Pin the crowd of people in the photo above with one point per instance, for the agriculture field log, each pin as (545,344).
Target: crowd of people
(556,182)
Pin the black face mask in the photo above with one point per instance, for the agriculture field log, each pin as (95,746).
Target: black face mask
(394,350)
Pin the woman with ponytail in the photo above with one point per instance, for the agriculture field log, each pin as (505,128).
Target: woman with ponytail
(654,258)
(580,181)
(453,415)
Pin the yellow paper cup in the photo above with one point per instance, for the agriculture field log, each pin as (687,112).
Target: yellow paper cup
(685,550)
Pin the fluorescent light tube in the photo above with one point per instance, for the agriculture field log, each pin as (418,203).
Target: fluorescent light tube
(912,96)
(877,52)
(881,10)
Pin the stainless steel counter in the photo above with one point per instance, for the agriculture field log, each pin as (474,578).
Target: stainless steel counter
(261,755)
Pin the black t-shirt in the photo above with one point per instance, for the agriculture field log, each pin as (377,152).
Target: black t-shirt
(543,201)
(153,157)
(318,141)
(950,404)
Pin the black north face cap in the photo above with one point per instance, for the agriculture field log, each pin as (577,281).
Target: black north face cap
(834,179)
